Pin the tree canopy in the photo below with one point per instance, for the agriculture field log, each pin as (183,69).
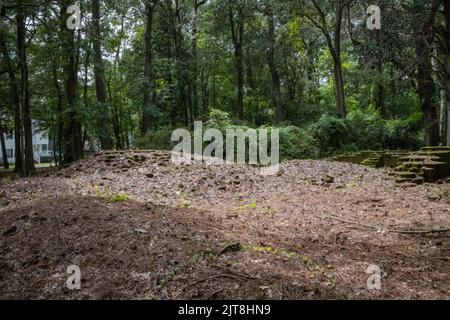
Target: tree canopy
(137,68)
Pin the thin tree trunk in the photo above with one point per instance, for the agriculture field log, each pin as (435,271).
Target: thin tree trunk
(276,85)
(103,112)
(73,141)
(116,117)
(237,32)
(381,93)
(334,46)
(146,117)
(425,85)
(25,97)
(249,68)
(447,42)
(338,76)
(18,151)
(59,111)
(426,89)
(442,114)
(340,93)
(3,145)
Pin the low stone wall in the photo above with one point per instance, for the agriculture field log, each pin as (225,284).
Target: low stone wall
(429,164)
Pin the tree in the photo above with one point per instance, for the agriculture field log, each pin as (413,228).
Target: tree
(3,145)
(24,91)
(14,92)
(150,6)
(271,60)
(425,84)
(197,5)
(103,112)
(237,20)
(447,63)
(332,10)
(72,131)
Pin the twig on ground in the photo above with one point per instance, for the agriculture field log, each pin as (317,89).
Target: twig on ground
(351,222)
(214,295)
(421,231)
(237,274)
(389,230)
(203,280)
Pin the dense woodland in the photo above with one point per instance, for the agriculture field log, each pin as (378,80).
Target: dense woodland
(137,69)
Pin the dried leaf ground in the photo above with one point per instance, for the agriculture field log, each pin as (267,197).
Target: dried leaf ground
(141,228)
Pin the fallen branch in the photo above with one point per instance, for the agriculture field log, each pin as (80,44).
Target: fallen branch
(352,222)
(420,231)
(237,274)
(203,280)
(431,231)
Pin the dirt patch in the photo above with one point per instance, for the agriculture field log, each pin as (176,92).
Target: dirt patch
(142,228)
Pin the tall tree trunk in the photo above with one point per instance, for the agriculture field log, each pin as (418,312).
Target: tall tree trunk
(338,76)
(195,100)
(249,68)
(103,112)
(447,42)
(116,116)
(25,97)
(115,119)
(442,114)
(334,46)
(86,87)
(146,116)
(237,33)
(276,85)
(381,93)
(73,146)
(425,85)
(205,92)
(240,82)
(3,145)
(18,149)
(59,118)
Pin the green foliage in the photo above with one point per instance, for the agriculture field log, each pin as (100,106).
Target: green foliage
(366,130)
(362,130)
(404,134)
(159,139)
(219,119)
(330,133)
(296,143)
(109,195)
(197,80)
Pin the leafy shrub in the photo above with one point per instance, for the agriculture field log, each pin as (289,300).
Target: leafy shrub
(367,130)
(330,133)
(404,134)
(296,143)
(218,119)
(156,140)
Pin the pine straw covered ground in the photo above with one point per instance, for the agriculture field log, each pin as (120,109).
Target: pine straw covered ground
(141,228)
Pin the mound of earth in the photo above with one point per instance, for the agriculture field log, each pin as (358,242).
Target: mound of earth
(141,227)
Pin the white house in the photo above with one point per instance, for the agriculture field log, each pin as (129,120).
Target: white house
(42,145)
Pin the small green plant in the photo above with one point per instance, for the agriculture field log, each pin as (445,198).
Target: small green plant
(305,260)
(110,196)
(121,197)
(206,254)
(250,206)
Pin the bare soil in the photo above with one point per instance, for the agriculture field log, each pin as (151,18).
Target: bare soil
(140,227)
